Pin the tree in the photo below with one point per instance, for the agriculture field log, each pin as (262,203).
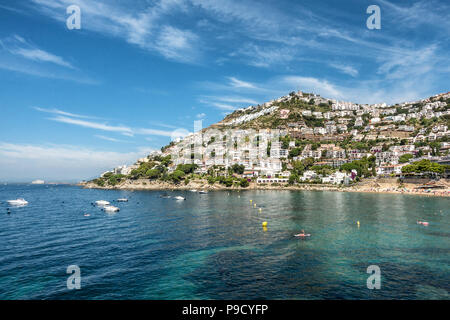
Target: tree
(293,178)
(294,152)
(424,166)
(187,168)
(405,158)
(176,176)
(211,180)
(239,169)
(153,173)
(244,183)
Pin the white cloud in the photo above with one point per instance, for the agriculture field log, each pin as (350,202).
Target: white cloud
(92,125)
(109,138)
(24,162)
(60,112)
(142,24)
(19,55)
(223,106)
(17,45)
(201,115)
(267,56)
(310,84)
(124,130)
(41,55)
(236,83)
(230,99)
(177,44)
(345,69)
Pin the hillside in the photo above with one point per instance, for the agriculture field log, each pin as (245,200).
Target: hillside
(303,138)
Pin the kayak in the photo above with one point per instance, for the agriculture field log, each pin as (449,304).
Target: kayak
(302,235)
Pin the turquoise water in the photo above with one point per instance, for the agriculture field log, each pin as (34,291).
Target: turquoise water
(213,246)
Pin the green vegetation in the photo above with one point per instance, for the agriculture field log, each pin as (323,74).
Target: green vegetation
(424,166)
(405,158)
(244,183)
(239,169)
(362,167)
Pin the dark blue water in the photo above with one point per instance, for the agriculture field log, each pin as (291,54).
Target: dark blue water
(213,246)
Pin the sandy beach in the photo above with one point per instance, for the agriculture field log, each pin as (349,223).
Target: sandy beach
(371,187)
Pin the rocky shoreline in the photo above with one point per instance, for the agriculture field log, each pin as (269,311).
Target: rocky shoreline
(384,188)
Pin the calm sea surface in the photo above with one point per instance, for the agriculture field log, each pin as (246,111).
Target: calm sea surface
(213,246)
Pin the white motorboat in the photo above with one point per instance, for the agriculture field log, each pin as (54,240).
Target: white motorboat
(179,198)
(203,192)
(122,200)
(102,203)
(111,209)
(18,202)
(193,190)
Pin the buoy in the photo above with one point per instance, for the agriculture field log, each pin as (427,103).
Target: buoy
(259,209)
(264,228)
(254,205)
(251,201)
(264,224)
(357,222)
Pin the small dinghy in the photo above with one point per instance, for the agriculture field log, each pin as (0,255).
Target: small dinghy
(101,203)
(203,192)
(18,202)
(179,198)
(122,200)
(193,190)
(111,209)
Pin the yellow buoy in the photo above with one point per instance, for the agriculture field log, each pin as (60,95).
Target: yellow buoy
(260,209)
(264,224)
(254,205)
(264,228)
(251,200)
(357,222)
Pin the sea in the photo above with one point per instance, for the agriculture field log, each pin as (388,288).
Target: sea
(214,245)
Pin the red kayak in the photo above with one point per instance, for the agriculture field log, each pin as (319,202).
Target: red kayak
(302,235)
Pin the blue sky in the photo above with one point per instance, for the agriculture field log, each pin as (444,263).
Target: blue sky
(77,102)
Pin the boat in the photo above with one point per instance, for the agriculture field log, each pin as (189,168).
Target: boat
(193,190)
(179,198)
(122,200)
(203,192)
(38,182)
(102,203)
(18,202)
(302,235)
(110,209)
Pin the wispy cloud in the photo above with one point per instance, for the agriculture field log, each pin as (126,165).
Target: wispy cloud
(78,120)
(41,55)
(92,125)
(345,69)
(19,55)
(109,138)
(230,99)
(236,83)
(60,162)
(143,25)
(17,45)
(310,84)
(63,113)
